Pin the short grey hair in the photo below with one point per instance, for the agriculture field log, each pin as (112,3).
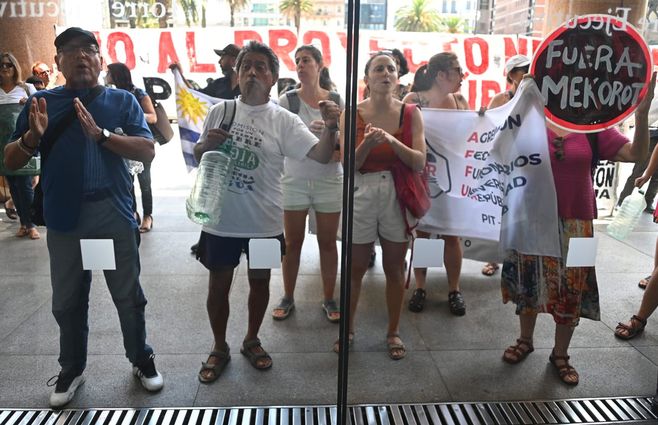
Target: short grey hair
(257,47)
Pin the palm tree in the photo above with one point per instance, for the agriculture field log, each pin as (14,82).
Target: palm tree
(162,21)
(296,8)
(420,16)
(235,6)
(453,24)
(190,11)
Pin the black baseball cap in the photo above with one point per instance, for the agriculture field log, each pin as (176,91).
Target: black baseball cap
(75,32)
(230,50)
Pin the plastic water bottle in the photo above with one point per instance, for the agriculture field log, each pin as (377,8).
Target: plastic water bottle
(628,215)
(213,177)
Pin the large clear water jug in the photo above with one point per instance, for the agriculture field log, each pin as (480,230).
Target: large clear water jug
(628,215)
(213,177)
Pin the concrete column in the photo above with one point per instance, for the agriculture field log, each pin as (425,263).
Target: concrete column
(559,11)
(28,31)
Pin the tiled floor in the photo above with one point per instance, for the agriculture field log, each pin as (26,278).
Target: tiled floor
(450,358)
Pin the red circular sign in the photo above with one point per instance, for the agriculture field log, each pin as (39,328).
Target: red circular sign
(592,72)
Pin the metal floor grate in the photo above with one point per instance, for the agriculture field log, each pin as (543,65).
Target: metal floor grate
(593,411)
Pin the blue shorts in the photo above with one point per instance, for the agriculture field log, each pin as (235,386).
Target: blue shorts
(219,252)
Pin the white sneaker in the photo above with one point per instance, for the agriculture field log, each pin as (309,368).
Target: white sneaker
(64,390)
(150,378)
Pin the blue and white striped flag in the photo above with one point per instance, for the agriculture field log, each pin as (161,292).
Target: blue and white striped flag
(191,108)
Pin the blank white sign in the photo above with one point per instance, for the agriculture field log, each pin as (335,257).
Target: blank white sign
(264,254)
(97,254)
(428,252)
(582,252)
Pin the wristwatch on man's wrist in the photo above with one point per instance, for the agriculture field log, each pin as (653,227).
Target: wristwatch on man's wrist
(105,135)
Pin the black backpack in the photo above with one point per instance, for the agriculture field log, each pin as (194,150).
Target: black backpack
(294,102)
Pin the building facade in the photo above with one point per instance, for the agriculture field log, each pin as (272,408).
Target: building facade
(523,17)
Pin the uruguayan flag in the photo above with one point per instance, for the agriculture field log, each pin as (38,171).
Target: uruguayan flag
(191,108)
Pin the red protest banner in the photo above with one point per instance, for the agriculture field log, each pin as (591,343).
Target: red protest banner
(592,72)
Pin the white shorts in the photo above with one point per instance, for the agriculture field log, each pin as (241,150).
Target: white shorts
(376,209)
(324,195)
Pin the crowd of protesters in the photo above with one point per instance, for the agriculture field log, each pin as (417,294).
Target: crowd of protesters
(299,142)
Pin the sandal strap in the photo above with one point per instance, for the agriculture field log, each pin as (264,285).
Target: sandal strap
(518,350)
(526,342)
(565,370)
(639,319)
(624,326)
(630,328)
(251,343)
(285,303)
(330,306)
(419,293)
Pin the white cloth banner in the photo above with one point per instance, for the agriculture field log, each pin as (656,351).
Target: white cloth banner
(490,176)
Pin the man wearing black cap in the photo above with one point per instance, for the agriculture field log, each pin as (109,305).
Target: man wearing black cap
(86,195)
(227,86)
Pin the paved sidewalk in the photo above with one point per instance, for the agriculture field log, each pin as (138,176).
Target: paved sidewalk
(449,358)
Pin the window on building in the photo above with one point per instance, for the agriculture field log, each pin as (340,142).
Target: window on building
(453,6)
(444,9)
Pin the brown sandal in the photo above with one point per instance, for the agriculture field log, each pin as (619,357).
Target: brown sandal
(254,352)
(565,370)
(210,371)
(624,331)
(518,352)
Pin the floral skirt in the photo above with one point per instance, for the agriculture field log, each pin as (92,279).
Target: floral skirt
(538,284)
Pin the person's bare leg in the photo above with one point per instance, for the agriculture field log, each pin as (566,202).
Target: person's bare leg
(420,273)
(360,259)
(645,280)
(217,304)
(647,306)
(327,224)
(452,257)
(563,334)
(294,223)
(393,254)
(650,297)
(527,328)
(259,297)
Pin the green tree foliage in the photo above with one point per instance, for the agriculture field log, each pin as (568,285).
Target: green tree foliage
(235,6)
(419,16)
(454,25)
(190,11)
(296,8)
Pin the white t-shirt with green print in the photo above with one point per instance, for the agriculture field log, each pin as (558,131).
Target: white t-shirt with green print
(262,136)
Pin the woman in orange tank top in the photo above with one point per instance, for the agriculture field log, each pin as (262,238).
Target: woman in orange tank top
(377,213)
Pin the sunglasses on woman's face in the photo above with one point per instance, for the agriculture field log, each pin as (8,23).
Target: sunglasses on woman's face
(6,65)
(558,144)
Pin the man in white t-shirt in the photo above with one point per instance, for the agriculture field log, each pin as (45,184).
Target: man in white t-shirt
(262,134)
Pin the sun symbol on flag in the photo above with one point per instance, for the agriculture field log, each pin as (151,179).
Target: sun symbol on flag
(190,106)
